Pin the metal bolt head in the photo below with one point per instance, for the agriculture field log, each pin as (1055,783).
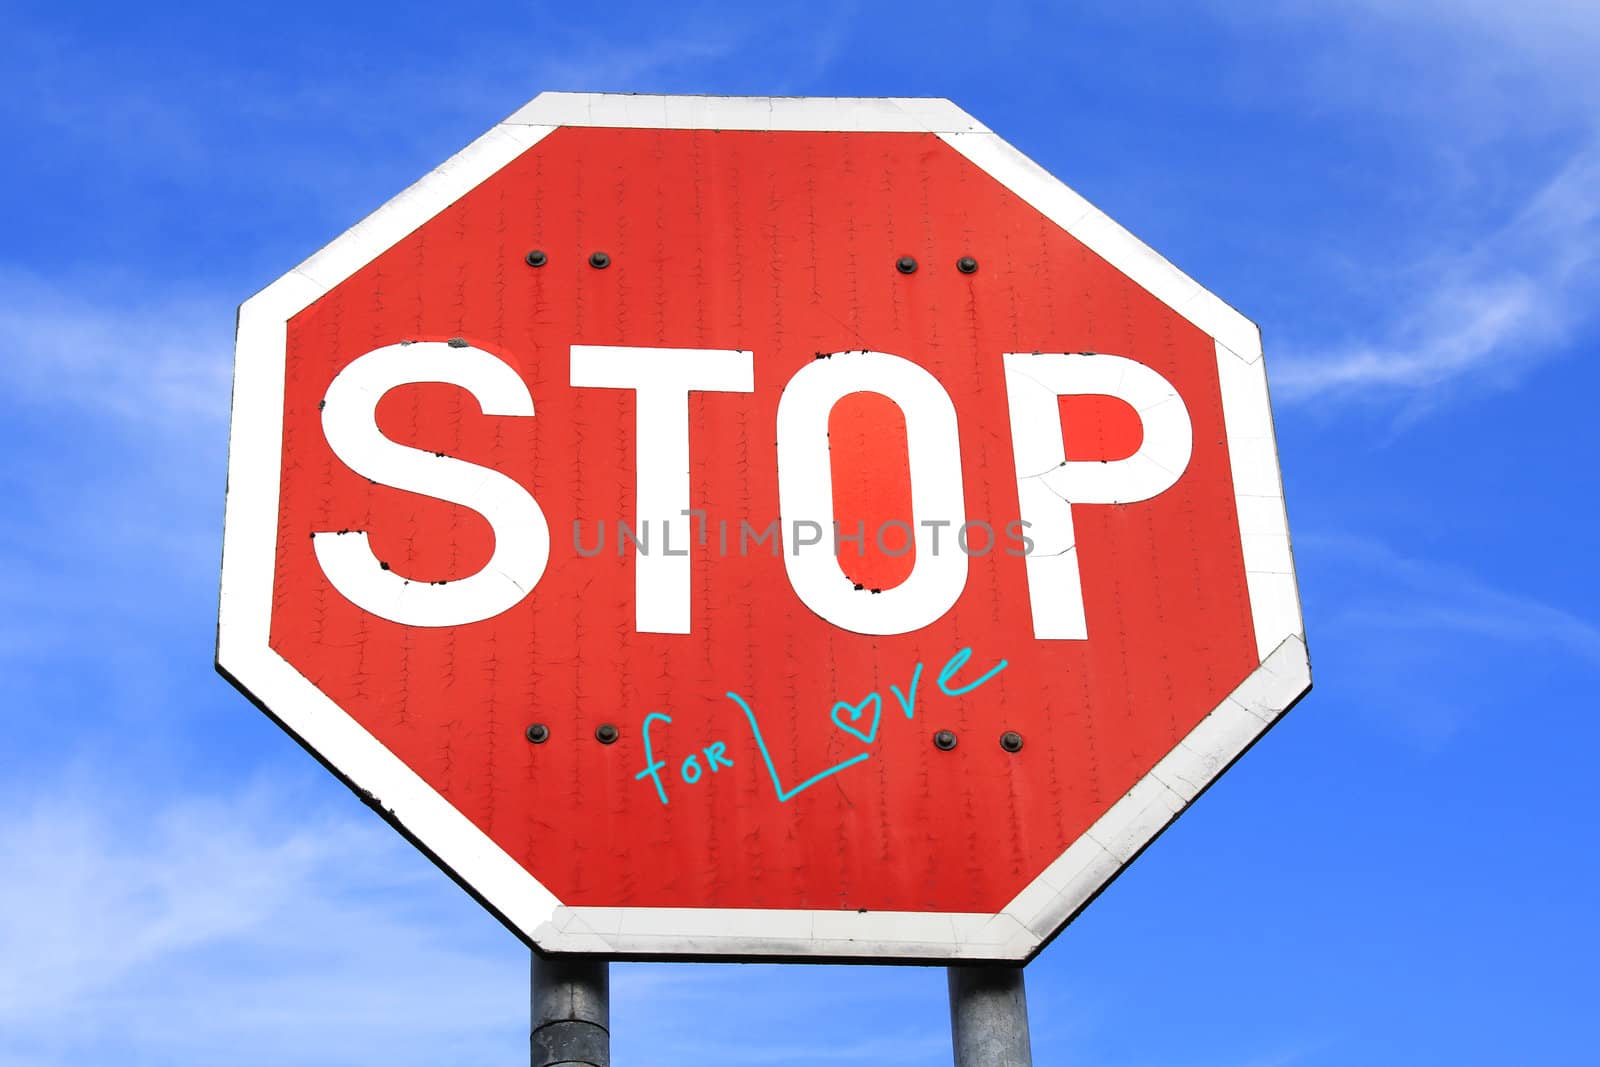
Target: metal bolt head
(536,258)
(599,260)
(967,265)
(944,740)
(605,733)
(1011,741)
(906,265)
(538,733)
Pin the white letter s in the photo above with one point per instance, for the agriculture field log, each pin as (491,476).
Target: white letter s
(521,535)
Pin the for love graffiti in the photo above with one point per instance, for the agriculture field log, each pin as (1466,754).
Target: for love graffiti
(861,720)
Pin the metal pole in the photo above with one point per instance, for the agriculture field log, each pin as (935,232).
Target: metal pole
(989,1017)
(571,1011)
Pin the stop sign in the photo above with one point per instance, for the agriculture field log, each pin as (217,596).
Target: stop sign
(758,528)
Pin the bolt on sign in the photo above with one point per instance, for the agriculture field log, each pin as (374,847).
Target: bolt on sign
(720,527)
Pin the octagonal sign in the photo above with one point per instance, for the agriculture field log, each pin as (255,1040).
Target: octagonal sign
(758,528)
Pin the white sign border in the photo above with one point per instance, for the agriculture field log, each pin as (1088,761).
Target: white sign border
(1036,914)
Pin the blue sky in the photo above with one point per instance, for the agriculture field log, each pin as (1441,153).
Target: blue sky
(1405,194)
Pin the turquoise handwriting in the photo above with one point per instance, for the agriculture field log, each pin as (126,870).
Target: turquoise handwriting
(860,720)
(715,753)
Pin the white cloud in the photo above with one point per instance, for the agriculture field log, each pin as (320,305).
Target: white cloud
(1429,597)
(1423,648)
(1484,112)
(1487,312)
(234,929)
(101,348)
(114,488)
(1550,28)
(1465,67)
(253,927)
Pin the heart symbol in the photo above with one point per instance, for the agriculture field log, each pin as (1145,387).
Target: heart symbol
(856,711)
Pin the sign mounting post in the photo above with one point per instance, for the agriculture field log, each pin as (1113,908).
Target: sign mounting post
(989,1016)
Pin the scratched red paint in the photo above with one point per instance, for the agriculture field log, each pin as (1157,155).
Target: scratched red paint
(871,490)
(1099,427)
(783,244)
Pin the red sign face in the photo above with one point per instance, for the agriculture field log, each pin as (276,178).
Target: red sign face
(712,530)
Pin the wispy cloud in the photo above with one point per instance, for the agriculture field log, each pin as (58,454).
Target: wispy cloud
(1423,648)
(101,349)
(1424,596)
(115,409)
(1489,311)
(1464,70)
(208,930)
(1555,30)
(114,422)
(253,927)
(1488,269)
